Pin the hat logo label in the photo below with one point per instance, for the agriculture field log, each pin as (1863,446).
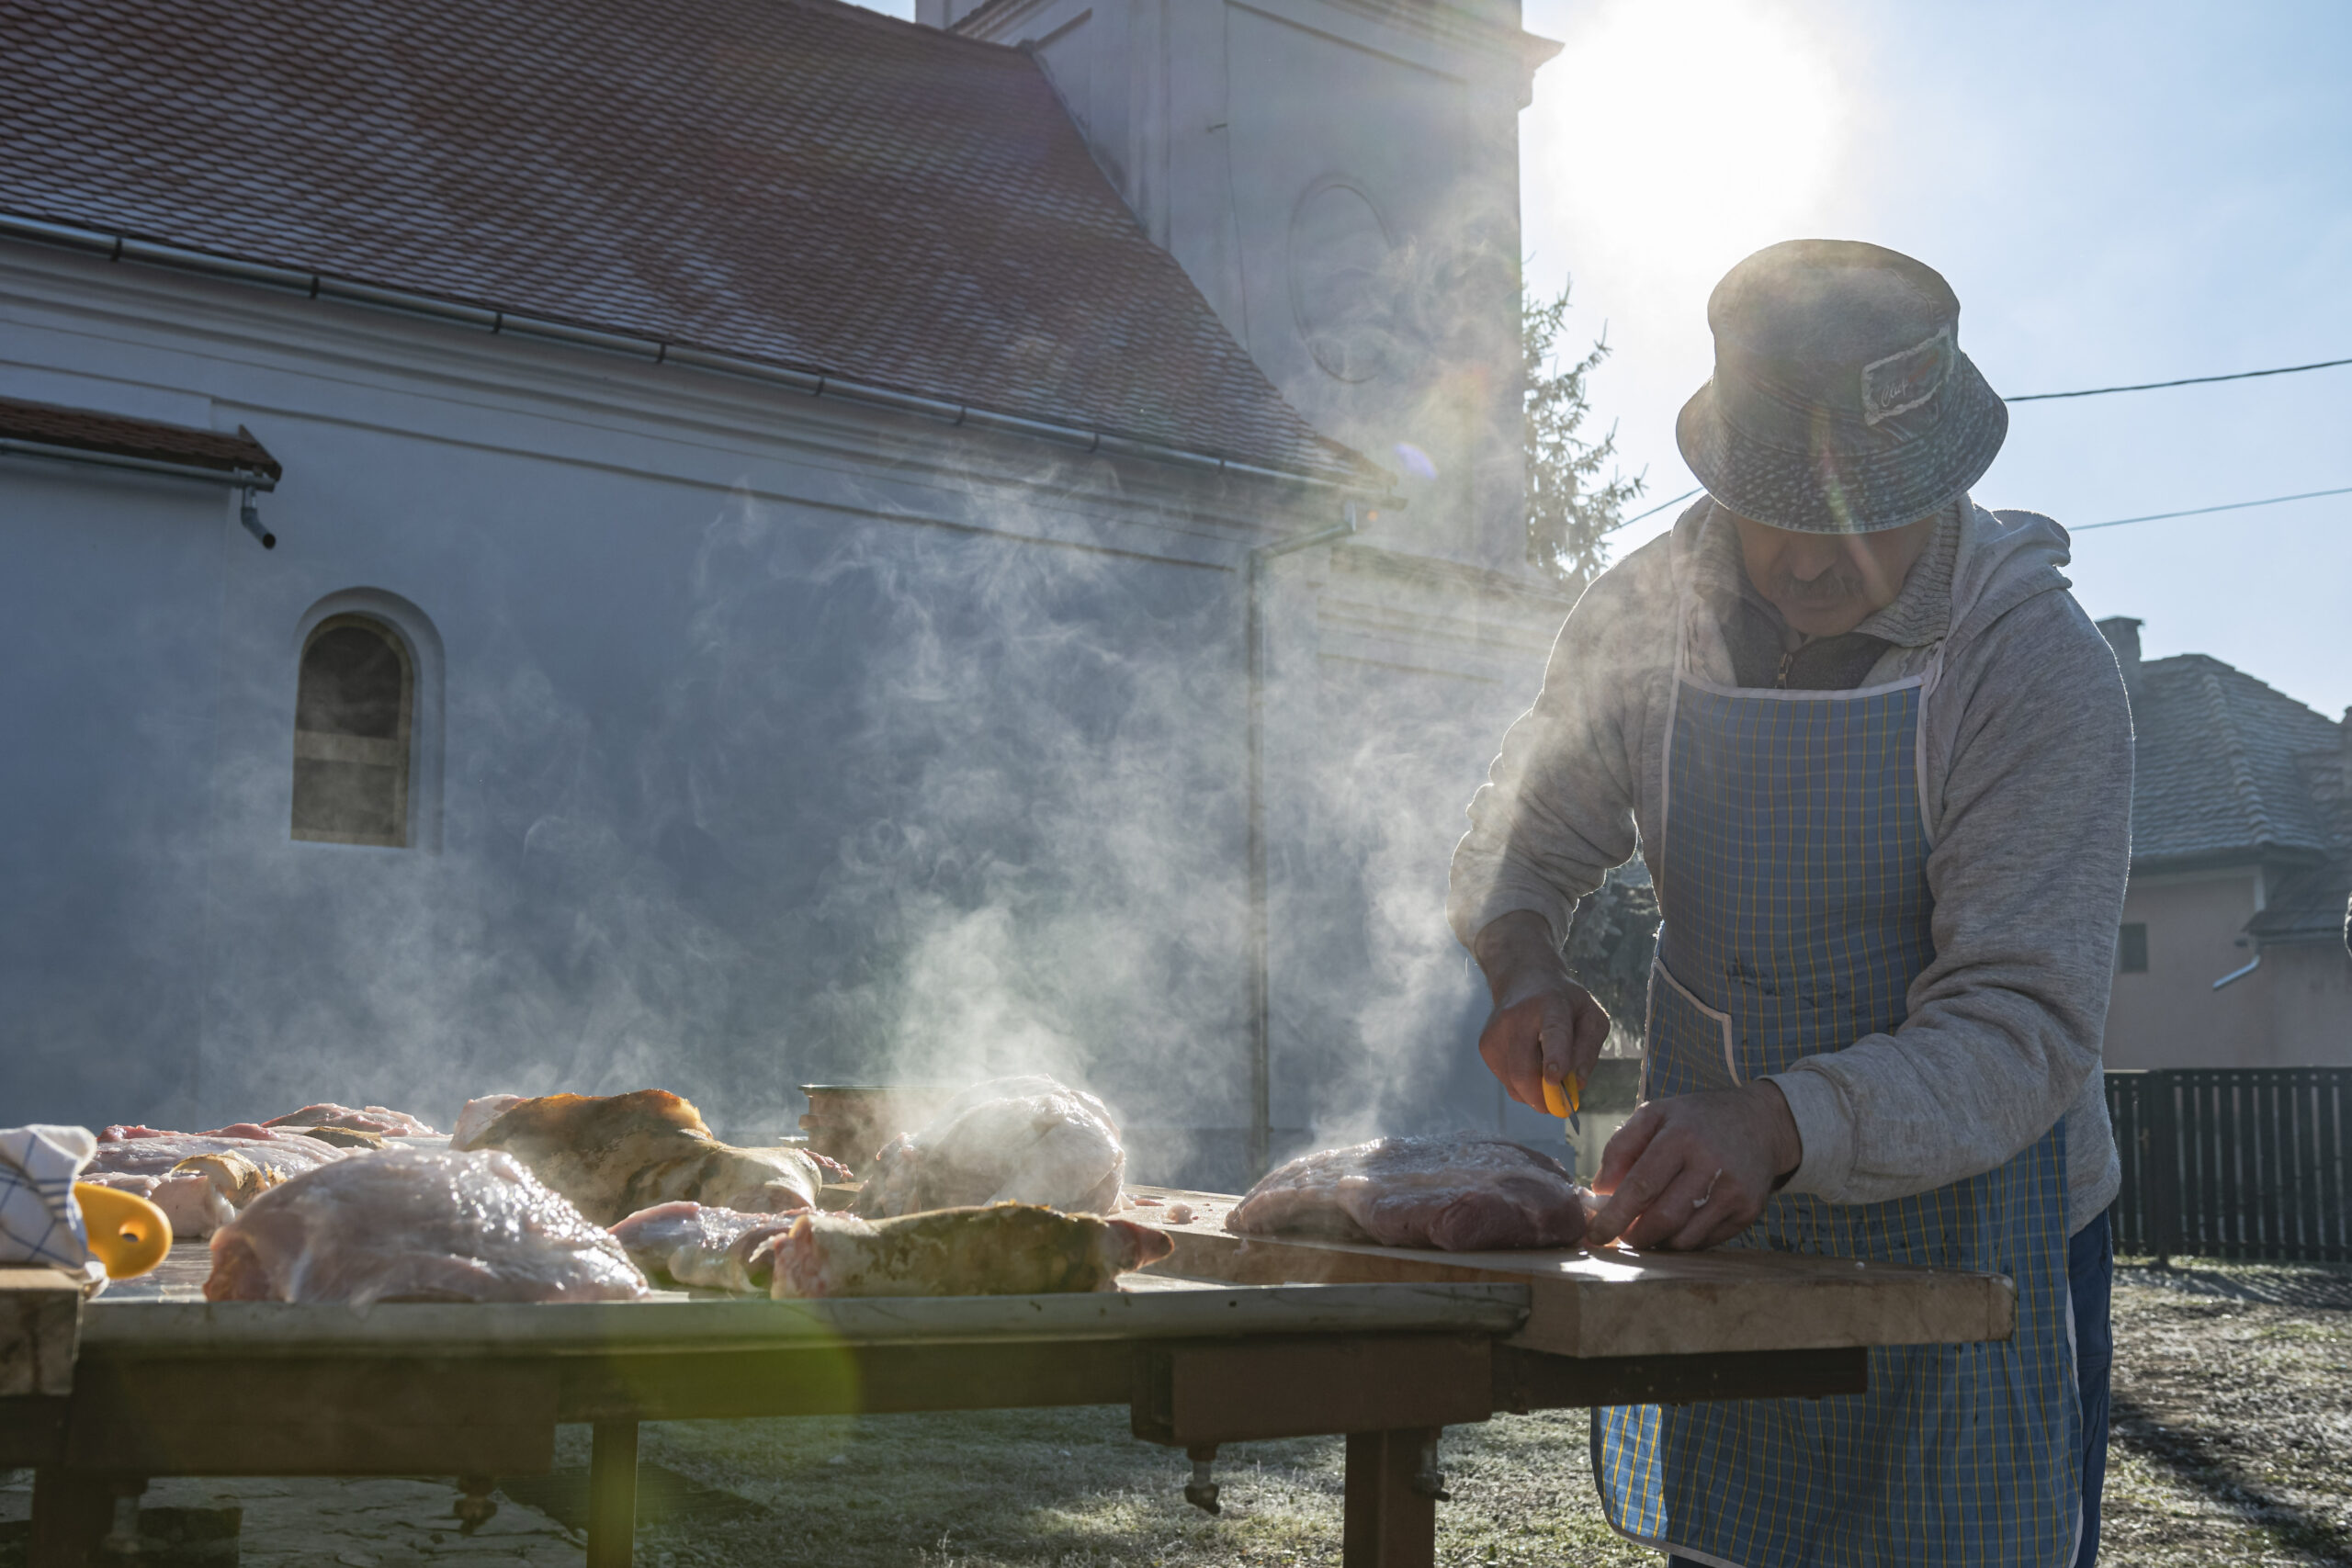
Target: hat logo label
(1900,382)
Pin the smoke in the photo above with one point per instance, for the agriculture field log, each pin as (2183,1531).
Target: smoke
(857,796)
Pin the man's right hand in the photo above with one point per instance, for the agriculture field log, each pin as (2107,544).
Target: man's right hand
(1545,1025)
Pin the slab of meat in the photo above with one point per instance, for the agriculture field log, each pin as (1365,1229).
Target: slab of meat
(615,1155)
(417,1225)
(143,1151)
(366,1119)
(692,1244)
(478,1116)
(190,1202)
(1005,1249)
(1461,1194)
(1027,1140)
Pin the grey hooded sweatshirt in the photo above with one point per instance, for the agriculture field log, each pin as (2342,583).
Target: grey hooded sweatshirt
(2026,793)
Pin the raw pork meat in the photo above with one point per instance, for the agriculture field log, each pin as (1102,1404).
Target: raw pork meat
(616,1154)
(1005,1249)
(417,1225)
(1462,1194)
(1027,1140)
(189,1200)
(367,1119)
(478,1116)
(143,1151)
(691,1244)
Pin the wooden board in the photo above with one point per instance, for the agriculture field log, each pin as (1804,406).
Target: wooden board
(1611,1301)
(40,1316)
(1162,1308)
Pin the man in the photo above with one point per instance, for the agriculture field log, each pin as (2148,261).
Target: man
(1878,764)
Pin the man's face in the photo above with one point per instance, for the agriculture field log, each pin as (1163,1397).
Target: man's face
(1826,583)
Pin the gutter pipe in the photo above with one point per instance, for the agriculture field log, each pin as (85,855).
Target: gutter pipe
(1261,993)
(248,480)
(660,351)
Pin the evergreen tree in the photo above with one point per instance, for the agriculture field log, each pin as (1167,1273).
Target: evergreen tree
(1570,511)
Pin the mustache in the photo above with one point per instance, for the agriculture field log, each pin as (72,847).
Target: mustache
(1829,588)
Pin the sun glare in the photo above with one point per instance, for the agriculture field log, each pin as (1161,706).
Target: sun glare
(1690,131)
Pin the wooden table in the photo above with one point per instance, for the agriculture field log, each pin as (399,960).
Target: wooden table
(1229,1342)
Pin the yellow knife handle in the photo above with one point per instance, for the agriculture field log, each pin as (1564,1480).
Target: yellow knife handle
(1564,1098)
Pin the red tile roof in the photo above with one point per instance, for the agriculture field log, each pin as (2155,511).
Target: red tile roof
(799,182)
(80,429)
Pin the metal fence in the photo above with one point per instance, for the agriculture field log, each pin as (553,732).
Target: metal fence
(2234,1162)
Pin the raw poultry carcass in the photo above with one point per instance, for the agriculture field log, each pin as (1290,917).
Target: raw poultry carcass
(692,1244)
(1462,1194)
(417,1225)
(614,1155)
(375,1119)
(1006,1249)
(1024,1140)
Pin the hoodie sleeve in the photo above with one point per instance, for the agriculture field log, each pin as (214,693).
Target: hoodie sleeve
(1556,813)
(2027,872)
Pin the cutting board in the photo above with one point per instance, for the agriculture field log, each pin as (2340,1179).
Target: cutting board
(1612,1302)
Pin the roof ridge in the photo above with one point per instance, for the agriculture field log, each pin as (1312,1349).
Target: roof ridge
(882,21)
(2234,752)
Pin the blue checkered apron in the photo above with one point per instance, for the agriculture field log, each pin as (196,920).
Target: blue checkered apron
(1793,881)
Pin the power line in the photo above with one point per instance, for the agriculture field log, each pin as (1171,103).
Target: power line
(1652,512)
(2184,381)
(2201,510)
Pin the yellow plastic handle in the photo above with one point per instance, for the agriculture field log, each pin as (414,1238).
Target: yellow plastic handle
(1562,1098)
(127,1234)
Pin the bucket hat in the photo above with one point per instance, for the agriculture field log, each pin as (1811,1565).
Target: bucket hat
(1841,402)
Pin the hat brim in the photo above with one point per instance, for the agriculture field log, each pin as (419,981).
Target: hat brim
(1850,489)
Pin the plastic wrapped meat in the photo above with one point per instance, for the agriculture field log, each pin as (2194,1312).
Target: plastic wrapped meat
(1461,1194)
(1007,1249)
(614,1155)
(417,1225)
(1026,1140)
(366,1119)
(692,1244)
(477,1116)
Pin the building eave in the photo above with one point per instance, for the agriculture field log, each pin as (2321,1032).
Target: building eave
(1359,480)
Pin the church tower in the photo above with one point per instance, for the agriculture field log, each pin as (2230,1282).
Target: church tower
(1341,180)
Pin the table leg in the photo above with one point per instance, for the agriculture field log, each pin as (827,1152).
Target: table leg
(71,1513)
(1390,1522)
(612,1494)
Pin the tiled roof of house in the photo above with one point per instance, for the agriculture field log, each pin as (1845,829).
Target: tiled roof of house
(799,182)
(2227,767)
(42,425)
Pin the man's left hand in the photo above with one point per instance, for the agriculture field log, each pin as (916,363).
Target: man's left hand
(1693,1170)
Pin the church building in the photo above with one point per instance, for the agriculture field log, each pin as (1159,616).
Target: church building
(600,545)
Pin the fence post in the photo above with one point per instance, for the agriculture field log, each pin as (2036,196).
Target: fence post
(2160,1164)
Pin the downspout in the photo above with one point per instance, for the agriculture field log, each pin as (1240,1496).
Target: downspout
(1261,996)
(244,481)
(2240,974)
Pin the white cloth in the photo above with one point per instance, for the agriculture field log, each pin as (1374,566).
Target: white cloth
(39,1221)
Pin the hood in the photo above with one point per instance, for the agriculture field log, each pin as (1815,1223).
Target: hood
(1980,565)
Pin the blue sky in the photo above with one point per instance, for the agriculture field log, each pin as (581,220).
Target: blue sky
(2118,192)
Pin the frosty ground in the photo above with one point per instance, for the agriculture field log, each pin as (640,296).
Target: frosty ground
(2232,1444)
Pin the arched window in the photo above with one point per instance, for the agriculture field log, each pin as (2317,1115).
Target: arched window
(353,716)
